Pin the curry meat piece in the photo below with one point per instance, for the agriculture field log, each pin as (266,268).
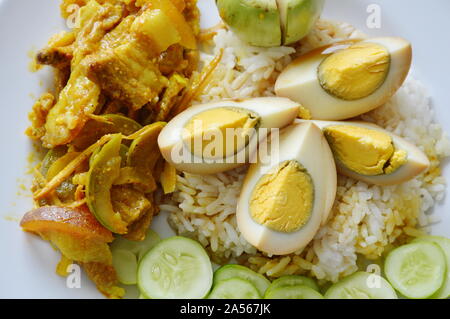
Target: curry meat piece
(67,117)
(138,230)
(80,96)
(59,51)
(130,65)
(126,67)
(38,116)
(131,204)
(126,73)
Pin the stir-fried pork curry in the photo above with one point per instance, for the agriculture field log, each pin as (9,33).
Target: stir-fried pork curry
(124,69)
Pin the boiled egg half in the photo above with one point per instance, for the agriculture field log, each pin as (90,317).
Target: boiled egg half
(215,137)
(283,202)
(367,152)
(348,78)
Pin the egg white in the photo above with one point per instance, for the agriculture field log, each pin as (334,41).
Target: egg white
(299,81)
(417,161)
(304,143)
(274,112)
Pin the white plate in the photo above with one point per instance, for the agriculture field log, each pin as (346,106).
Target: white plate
(27,268)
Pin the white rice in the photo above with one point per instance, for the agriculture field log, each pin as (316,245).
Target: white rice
(366,219)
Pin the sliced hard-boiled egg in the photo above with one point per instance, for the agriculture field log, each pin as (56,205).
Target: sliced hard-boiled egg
(367,152)
(215,137)
(330,171)
(284,201)
(348,78)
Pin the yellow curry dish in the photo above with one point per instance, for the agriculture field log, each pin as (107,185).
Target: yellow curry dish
(293,155)
(120,74)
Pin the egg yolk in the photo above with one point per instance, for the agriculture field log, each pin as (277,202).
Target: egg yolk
(220,132)
(355,72)
(364,151)
(304,113)
(283,200)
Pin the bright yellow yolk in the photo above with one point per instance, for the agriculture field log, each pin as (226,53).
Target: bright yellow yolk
(207,136)
(398,159)
(355,72)
(364,151)
(304,113)
(283,200)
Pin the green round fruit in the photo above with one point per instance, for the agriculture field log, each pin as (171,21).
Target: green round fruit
(270,23)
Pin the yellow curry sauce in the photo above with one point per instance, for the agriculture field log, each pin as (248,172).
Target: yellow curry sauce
(121,72)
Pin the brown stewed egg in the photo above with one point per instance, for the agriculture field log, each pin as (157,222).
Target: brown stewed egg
(369,153)
(348,78)
(215,137)
(283,202)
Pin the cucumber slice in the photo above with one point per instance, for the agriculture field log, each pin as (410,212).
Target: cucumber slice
(139,248)
(361,285)
(293,292)
(292,280)
(416,270)
(126,255)
(444,244)
(234,288)
(237,271)
(125,264)
(176,268)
